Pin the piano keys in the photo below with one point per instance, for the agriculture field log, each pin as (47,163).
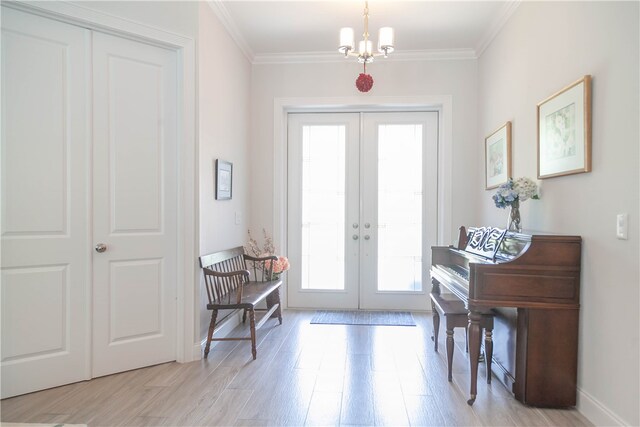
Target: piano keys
(536,277)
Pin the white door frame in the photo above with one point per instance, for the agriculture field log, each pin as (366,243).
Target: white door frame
(441,103)
(187,346)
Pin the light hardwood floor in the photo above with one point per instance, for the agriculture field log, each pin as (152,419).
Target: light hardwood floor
(304,375)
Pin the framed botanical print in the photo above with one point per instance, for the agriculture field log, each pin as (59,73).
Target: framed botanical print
(564,131)
(497,156)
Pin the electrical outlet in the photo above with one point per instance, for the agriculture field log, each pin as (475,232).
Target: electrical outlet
(622,226)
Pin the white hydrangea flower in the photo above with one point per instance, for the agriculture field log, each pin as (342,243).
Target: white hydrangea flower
(526,189)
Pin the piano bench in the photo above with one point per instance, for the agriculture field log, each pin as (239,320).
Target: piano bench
(456,315)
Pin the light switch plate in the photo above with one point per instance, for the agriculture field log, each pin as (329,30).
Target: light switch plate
(238,218)
(622,226)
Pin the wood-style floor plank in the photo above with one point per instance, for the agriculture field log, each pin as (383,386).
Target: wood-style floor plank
(357,397)
(193,411)
(304,375)
(388,402)
(564,417)
(146,422)
(423,410)
(324,409)
(222,412)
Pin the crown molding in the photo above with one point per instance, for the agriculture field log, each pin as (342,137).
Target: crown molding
(318,57)
(229,24)
(510,6)
(82,15)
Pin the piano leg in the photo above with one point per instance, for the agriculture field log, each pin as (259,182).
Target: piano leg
(474,352)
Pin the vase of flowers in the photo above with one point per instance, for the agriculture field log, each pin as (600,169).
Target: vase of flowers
(272,269)
(510,194)
(513,222)
(277,267)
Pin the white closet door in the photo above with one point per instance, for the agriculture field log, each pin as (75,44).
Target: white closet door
(134,204)
(45,245)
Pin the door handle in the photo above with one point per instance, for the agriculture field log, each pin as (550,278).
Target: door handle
(101,247)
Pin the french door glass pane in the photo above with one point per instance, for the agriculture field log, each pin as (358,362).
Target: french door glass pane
(400,207)
(323,206)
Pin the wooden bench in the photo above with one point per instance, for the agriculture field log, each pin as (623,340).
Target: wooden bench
(231,285)
(456,315)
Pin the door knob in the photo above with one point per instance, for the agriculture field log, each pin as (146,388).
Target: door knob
(355,237)
(101,247)
(355,225)
(367,225)
(367,237)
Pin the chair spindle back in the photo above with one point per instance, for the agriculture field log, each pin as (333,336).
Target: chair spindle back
(221,285)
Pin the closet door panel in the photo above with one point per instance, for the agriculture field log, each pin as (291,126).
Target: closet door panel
(45,164)
(135,206)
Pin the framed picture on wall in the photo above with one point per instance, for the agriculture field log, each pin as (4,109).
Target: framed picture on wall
(224,179)
(564,131)
(497,157)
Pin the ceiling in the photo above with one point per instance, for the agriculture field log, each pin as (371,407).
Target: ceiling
(298,31)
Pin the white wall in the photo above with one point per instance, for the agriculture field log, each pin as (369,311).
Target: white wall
(457,78)
(544,47)
(223,99)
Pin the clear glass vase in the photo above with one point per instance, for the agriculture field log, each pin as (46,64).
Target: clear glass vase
(274,276)
(513,221)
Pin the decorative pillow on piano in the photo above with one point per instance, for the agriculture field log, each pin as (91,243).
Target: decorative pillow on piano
(493,240)
(485,241)
(477,238)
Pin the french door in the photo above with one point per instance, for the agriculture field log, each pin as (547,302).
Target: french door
(362,204)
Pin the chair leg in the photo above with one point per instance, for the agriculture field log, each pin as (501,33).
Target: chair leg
(212,326)
(272,299)
(488,351)
(252,324)
(244,316)
(279,310)
(436,327)
(449,353)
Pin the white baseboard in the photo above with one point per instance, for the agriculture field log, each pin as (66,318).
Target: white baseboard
(596,412)
(197,352)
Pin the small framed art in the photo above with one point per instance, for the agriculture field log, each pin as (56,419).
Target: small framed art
(224,179)
(564,131)
(497,152)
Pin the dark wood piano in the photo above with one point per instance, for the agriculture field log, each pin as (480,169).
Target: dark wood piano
(531,283)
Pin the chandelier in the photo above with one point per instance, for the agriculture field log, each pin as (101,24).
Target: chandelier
(365,53)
